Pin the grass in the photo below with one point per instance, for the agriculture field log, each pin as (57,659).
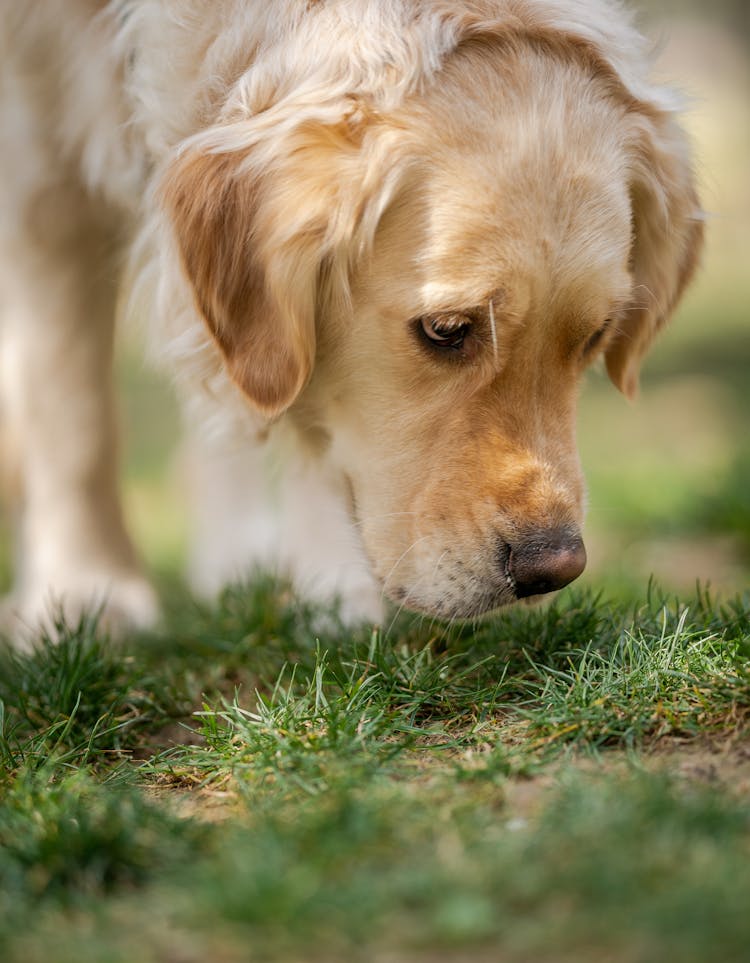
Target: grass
(245,779)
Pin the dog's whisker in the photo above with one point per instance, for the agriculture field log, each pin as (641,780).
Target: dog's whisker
(402,605)
(411,593)
(401,557)
(493,329)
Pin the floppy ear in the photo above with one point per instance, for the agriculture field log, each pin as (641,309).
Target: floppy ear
(667,241)
(266,335)
(263,210)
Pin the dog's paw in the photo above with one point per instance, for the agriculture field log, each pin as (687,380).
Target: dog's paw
(119,606)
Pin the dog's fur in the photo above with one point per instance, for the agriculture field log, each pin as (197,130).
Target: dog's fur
(302,188)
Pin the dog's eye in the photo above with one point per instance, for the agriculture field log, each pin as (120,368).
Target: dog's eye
(445,330)
(595,340)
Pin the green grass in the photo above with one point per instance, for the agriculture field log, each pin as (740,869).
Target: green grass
(504,790)
(75,700)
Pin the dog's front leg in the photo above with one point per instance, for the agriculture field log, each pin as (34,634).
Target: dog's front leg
(234,511)
(58,286)
(321,546)
(265,504)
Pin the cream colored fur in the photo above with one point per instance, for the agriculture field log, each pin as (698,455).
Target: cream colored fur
(292,187)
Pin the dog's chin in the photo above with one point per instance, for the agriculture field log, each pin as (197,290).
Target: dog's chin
(452,605)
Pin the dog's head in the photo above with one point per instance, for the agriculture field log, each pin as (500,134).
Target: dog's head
(424,283)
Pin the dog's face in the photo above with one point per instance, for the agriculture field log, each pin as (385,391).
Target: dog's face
(425,290)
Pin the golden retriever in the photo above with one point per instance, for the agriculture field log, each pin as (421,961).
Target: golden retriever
(377,241)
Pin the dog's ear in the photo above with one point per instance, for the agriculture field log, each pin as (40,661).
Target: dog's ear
(667,241)
(265,213)
(266,335)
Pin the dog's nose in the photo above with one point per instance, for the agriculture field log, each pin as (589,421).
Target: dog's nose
(546,561)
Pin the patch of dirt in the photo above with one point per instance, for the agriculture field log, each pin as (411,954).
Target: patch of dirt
(725,763)
(168,737)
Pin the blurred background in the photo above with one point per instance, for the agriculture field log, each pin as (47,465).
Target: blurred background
(669,477)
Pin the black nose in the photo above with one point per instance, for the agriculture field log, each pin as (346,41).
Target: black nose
(546,561)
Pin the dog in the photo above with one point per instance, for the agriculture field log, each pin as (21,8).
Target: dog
(377,242)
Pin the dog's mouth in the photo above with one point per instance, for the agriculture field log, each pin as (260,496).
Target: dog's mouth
(456,592)
(464,608)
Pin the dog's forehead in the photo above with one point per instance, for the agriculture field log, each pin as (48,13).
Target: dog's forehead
(463,237)
(524,238)
(522,190)
(530,179)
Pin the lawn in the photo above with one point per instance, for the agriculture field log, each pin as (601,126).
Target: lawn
(562,784)
(569,782)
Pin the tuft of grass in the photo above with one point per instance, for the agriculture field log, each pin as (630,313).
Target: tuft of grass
(69,837)
(337,716)
(74,698)
(683,682)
